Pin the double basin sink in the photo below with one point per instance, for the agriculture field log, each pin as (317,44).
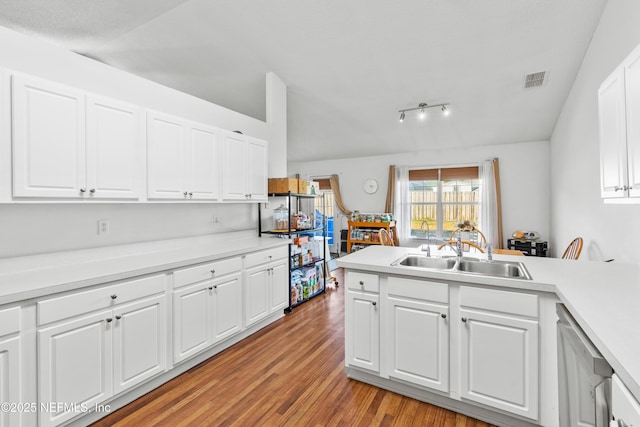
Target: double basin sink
(506,269)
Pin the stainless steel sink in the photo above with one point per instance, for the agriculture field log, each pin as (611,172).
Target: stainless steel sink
(509,269)
(427,262)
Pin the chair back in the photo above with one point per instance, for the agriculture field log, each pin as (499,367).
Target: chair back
(574,249)
(385,237)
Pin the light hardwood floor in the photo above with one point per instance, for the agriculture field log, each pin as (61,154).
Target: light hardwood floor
(288,374)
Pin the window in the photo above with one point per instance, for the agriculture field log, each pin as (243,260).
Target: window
(440,198)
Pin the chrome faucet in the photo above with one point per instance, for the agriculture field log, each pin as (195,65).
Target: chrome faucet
(428,250)
(459,246)
(489,253)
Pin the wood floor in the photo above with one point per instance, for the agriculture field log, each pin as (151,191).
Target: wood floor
(288,374)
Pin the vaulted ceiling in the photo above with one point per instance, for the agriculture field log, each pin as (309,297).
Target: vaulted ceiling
(349,65)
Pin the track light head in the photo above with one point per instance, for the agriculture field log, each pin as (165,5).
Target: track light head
(445,111)
(401,116)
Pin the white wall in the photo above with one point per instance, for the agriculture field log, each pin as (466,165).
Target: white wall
(524,177)
(37,228)
(610,231)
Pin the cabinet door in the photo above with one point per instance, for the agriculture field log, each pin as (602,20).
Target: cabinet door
(191,320)
(500,362)
(113,149)
(165,153)
(75,365)
(48,139)
(257,295)
(234,167)
(632,90)
(10,386)
(420,343)
(257,169)
(203,163)
(227,306)
(613,144)
(279,286)
(362,331)
(139,342)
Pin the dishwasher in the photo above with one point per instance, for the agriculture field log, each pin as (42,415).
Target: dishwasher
(584,377)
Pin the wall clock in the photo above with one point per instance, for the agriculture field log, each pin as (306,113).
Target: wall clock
(370,186)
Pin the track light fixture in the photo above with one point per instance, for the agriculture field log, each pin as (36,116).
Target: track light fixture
(422,107)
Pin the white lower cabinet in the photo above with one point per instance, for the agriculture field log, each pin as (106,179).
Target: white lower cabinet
(206,313)
(75,365)
(139,342)
(266,284)
(471,343)
(10,360)
(419,326)
(362,321)
(499,349)
(85,359)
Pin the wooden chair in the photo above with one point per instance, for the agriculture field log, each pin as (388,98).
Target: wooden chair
(385,237)
(574,249)
(477,239)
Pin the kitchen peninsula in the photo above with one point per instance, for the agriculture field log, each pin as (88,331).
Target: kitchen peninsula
(491,341)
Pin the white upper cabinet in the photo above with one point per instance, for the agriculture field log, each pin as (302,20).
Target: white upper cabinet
(48,139)
(632,91)
(184,159)
(244,169)
(257,165)
(619,116)
(71,145)
(234,166)
(113,149)
(165,152)
(613,145)
(203,162)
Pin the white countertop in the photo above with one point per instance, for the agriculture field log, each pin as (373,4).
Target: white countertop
(27,277)
(604,298)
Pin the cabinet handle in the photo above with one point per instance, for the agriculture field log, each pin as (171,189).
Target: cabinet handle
(83,190)
(190,194)
(444,316)
(109,319)
(616,188)
(210,288)
(215,286)
(114,296)
(118,317)
(627,187)
(185,194)
(213,271)
(92,191)
(361,282)
(373,303)
(464,319)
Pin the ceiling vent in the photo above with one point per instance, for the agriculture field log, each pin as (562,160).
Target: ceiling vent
(535,79)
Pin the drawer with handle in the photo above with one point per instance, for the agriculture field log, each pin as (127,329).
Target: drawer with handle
(210,270)
(363,281)
(80,302)
(263,257)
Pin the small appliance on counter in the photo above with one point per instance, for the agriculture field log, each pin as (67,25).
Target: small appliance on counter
(529,243)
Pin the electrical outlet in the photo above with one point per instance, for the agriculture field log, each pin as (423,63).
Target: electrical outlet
(103,226)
